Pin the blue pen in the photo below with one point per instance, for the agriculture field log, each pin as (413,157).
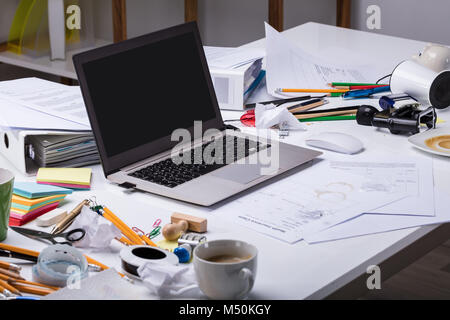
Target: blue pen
(354,94)
(23,298)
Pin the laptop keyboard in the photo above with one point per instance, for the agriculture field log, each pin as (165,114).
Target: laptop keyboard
(170,174)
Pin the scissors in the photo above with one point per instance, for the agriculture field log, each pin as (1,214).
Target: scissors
(70,236)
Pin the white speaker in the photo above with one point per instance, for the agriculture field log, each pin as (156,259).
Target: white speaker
(427,86)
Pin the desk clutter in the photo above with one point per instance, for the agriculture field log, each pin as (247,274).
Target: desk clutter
(350,192)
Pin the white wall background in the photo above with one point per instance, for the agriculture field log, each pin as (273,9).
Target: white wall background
(234,22)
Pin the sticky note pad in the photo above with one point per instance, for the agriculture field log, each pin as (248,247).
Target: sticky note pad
(69,177)
(32,190)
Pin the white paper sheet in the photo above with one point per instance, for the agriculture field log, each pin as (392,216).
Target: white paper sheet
(377,223)
(308,202)
(231,58)
(288,66)
(14,116)
(65,102)
(417,174)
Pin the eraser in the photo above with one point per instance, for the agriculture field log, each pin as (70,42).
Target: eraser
(51,218)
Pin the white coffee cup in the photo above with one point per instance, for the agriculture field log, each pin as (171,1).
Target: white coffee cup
(223,280)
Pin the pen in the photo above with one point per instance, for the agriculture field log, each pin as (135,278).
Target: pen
(364,93)
(328,118)
(64,223)
(279,101)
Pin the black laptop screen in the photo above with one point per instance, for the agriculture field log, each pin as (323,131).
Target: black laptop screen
(143,94)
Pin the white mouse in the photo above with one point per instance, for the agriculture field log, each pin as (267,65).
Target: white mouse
(335,141)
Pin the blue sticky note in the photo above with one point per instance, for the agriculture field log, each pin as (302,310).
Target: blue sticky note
(32,190)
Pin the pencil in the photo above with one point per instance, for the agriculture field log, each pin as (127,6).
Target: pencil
(334,84)
(148,241)
(306,106)
(125,241)
(328,118)
(33,290)
(9,266)
(313,112)
(12,281)
(11,274)
(9,287)
(130,234)
(325,114)
(312,90)
(360,87)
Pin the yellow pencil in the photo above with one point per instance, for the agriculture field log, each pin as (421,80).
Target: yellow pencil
(312,90)
(9,287)
(147,240)
(9,266)
(130,234)
(33,290)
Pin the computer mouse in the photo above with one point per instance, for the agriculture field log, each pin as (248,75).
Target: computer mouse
(335,141)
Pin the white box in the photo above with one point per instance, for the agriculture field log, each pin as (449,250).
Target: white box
(230,87)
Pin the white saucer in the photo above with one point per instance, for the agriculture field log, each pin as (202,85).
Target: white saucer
(418,140)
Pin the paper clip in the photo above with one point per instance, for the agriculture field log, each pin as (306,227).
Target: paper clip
(154,232)
(138,231)
(156,223)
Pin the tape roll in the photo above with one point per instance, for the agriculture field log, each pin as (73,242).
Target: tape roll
(60,265)
(135,256)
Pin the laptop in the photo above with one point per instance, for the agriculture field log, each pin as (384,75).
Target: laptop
(156,121)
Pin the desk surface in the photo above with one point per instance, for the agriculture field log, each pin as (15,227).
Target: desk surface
(300,270)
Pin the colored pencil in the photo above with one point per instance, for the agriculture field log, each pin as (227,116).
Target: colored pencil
(312,90)
(313,112)
(326,114)
(328,118)
(333,84)
(360,87)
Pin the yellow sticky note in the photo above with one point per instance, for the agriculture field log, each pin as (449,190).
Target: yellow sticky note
(81,176)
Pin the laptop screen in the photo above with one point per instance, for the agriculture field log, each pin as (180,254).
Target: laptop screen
(138,94)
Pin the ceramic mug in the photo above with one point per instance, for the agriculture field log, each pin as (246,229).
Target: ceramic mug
(6,190)
(435,57)
(225,269)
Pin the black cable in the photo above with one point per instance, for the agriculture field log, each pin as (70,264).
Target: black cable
(383,78)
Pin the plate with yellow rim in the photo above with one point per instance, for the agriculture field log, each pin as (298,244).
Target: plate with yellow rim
(435,141)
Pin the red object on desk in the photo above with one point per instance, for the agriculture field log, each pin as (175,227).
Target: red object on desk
(248,118)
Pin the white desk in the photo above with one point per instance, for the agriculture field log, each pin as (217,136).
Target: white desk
(296,271)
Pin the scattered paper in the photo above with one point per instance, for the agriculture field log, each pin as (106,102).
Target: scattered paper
(308,202)
(288,66)
(377,223)
(51,98)
(387,175)
(267,116)
(99,231)
(232,58)
(167,280)
(105,285)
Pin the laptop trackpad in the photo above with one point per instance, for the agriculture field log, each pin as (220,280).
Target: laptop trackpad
(240,173)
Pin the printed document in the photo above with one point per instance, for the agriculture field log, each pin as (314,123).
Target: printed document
(65,102)
(288,66)
(310,201)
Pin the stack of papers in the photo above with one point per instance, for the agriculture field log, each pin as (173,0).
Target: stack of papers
(37,104)
(232,58)
(30,200)
(72,178)
(63,150)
